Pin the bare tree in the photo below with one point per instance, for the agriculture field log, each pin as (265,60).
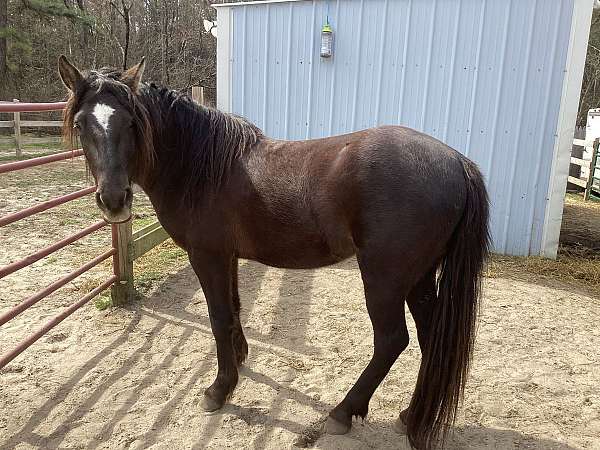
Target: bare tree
(124,12)
(116,33)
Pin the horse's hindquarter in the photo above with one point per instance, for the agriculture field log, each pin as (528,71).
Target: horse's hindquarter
(412,195)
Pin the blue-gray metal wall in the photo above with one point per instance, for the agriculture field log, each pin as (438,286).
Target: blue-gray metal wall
(484,76)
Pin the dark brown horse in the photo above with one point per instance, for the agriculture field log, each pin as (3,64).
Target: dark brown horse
(413,211)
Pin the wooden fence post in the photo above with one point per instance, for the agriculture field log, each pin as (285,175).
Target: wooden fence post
(122,291)
(590,180)
(17,126)
(198,94)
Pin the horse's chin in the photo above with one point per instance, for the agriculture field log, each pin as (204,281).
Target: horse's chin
(120,217)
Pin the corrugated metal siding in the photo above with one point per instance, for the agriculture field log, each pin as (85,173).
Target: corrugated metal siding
(484,76)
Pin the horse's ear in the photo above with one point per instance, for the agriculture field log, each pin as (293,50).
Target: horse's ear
(70,75)
(133,76)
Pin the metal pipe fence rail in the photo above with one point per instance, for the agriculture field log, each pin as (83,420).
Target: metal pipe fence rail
(13,267)
(126,245)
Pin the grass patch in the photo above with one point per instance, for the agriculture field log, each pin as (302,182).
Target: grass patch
(154,267)
(30,141)
(103,301)
(10,157)
(574,265)
(593,204)
(578,261)
(141,222)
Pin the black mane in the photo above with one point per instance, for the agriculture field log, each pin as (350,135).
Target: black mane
(193,141)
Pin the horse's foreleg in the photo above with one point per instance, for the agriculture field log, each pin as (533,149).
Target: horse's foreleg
(215,274)
(240,346)
(385,303)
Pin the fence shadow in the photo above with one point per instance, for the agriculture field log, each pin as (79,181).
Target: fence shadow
(291,313)
(27,433)
(164,308)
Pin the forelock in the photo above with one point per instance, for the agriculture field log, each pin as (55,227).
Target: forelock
(107,81)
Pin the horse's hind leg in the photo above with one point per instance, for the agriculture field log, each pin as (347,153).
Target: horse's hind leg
(240,346)
(385,303)
(421,303)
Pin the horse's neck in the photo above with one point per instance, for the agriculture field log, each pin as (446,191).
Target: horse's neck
(195,147)
(155,103)
(164,182)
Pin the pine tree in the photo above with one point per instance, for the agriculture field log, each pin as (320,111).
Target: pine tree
(12,39)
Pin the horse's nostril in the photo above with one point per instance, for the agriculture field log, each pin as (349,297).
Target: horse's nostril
(112,200)
(105,201)
(128,197)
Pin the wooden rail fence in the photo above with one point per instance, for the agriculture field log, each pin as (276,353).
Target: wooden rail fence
(17,124)
(591,175)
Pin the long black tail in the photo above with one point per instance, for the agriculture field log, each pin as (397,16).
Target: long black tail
(447,357)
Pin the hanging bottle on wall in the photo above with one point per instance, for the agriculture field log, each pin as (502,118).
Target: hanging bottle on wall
(326,40)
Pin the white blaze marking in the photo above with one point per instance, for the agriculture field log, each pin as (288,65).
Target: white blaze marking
(102,114)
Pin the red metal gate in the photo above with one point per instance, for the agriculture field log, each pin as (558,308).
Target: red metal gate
(42,253)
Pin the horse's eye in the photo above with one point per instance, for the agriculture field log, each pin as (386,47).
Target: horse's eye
(76,126)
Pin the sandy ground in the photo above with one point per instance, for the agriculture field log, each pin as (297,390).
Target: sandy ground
(133,377)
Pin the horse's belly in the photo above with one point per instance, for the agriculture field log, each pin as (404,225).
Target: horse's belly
(298,262)
(298,252)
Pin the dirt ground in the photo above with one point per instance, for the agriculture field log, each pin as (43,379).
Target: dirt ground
(133,377)
(581,225)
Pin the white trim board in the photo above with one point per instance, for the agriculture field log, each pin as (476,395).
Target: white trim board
(580,30)
(224,45)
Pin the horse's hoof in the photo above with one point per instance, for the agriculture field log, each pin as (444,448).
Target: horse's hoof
(399,426)
(209,404)
(334,427)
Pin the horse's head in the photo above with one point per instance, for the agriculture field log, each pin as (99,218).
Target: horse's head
(103,109)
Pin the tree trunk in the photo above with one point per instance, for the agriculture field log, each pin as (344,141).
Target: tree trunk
(163,53)
(127,21)
(3,51)
(165,19)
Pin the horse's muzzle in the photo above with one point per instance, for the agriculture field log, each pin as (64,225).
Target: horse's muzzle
(115,204)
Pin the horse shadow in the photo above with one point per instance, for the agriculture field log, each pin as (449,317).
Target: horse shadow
(183,301)
(381,436)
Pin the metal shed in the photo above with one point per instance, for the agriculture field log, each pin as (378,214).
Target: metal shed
(498,80)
